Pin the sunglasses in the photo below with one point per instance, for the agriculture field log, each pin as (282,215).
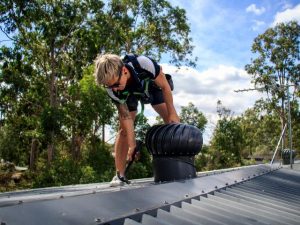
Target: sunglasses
(117,83)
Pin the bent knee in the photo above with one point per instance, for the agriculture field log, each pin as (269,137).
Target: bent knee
(122,132)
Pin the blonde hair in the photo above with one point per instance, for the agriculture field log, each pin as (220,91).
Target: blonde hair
(107,66)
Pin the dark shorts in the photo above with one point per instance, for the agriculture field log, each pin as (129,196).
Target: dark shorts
(156,97)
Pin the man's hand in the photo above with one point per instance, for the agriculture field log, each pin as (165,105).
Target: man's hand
(173,118)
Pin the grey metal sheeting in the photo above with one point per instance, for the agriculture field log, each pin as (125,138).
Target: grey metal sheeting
(249,195)
(273,198)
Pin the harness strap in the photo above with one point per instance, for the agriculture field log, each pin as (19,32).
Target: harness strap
(126,94)
(146,92)
(132,58)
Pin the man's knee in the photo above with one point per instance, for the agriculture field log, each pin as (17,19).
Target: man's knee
(122,132)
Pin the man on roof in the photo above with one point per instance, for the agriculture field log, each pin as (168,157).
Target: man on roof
(129,80)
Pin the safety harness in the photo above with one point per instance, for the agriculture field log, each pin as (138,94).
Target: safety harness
(143,77)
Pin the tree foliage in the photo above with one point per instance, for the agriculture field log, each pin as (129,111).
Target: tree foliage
(277,64)
(227,141)
(51,109)
(148,27)
(191,115)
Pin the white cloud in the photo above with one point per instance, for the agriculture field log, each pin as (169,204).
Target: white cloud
(205,88)
(286,5)
(257,25)
(287,15)
(257,11)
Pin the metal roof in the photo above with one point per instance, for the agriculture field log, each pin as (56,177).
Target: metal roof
(269,199)
(259,194)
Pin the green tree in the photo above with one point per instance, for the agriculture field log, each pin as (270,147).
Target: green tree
(260,129)
(191,115)
(150,27)
(49,103)
(158,120)
(61,38)
(276,65)
(296,128)
(141,127)
(87,110)
(227,141)
(203,159)
(53,36)
(20,108)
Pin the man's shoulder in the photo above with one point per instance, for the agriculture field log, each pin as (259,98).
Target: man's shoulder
(118,97)
(143,64)
(134,58)
(130,57)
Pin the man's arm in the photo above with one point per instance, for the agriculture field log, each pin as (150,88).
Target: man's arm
(127,126)
(162,82)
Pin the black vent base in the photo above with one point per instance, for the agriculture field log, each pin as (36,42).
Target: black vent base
(170,168)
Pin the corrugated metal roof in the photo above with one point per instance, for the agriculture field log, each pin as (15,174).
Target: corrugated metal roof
(270,199)
(260,194)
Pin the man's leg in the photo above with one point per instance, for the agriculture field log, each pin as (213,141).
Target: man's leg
(162,110)
(158,103)
(121,148)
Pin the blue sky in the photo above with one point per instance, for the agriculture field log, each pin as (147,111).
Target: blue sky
(223,32)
